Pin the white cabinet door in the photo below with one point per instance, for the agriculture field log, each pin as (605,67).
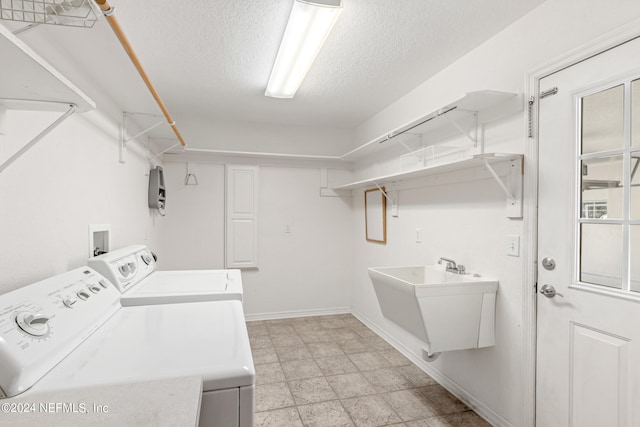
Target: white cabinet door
(241,231)
(588,304)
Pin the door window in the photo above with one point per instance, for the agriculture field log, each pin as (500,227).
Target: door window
(608,216)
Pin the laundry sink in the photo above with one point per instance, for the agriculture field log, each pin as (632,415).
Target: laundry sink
(432,280)
(448,311)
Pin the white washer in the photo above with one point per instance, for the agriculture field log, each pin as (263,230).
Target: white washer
(132,270)
(70,332)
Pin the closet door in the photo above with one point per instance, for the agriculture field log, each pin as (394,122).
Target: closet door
(241,231)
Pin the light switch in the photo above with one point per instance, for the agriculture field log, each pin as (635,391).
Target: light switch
(513,246)
(418,235)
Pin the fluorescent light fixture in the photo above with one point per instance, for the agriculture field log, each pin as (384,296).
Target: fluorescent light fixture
(309,25)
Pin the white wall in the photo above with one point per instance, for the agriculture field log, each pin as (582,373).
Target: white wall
(466,221)
(209,133)
(308,270)
(70,179)
(192,232)
(501,63)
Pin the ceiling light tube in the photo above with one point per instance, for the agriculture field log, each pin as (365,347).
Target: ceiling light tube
(309,25)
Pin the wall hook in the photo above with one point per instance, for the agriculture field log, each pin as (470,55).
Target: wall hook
(190,178)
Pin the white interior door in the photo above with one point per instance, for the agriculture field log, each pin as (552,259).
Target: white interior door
(588,345)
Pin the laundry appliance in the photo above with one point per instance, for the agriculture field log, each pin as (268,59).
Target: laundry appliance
(71,332)
(133,271)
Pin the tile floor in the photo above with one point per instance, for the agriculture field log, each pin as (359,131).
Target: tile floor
(334,371)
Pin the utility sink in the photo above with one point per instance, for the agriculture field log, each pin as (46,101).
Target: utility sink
(447,311)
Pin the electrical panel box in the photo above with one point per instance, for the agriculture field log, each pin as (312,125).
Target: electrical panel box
(157,192)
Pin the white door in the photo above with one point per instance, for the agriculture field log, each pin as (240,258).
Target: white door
(241,231)
(588,345)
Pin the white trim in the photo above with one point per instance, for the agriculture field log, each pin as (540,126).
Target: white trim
(480,408)
(632,296)
(596,46)
(529,254)
(300,313)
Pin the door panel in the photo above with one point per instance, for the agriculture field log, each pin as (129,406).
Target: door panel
(241,229)
(588,343)
(599,377)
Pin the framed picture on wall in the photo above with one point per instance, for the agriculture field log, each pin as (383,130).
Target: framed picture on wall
(375,215)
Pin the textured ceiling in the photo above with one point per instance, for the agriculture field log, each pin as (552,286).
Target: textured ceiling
(215,57)
(212,58)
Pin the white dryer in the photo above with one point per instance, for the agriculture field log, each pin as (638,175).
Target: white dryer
(133,271)
(70,332)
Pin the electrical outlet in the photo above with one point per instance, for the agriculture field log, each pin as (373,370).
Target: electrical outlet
(513,246)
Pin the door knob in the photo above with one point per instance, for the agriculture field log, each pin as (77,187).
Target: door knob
(548,263)
(549,291)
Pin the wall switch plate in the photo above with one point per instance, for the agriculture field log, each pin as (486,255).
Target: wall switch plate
(513,246)
(418,235)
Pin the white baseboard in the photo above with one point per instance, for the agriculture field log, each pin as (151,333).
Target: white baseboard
(480,408)
(297,313)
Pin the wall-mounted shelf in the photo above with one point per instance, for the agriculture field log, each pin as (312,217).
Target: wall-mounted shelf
(28,77)
(459,117)
(217,156)
(30,83)
(512,188)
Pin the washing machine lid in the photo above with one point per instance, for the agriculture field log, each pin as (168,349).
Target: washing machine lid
(185,286)
(207,339)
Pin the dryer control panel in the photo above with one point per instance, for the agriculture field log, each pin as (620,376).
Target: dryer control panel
(42,323)
(125,267)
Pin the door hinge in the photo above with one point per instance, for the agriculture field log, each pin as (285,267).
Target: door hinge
(549,92)
(532,100)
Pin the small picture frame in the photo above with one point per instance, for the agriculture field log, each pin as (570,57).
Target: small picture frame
(375,215)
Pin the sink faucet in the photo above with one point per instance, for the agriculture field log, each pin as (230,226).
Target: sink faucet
(452,267)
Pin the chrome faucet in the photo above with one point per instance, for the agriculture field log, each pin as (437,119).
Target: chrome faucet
(452,267)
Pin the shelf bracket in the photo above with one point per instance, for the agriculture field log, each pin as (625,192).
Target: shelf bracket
(34,141)
(513,188)
(325,190)
(393,200)
(123,133)
(406,147)
(473,138)
(165,151)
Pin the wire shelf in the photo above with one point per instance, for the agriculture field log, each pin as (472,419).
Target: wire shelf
(70,13)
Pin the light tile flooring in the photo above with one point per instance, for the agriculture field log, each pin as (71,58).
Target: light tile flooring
(334,371)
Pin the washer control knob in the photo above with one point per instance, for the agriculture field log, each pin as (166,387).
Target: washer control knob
(132,267)
(32,323)
(124,270)
(69,302)
(104,283)
(94,288)
(146,258)
(83,295)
